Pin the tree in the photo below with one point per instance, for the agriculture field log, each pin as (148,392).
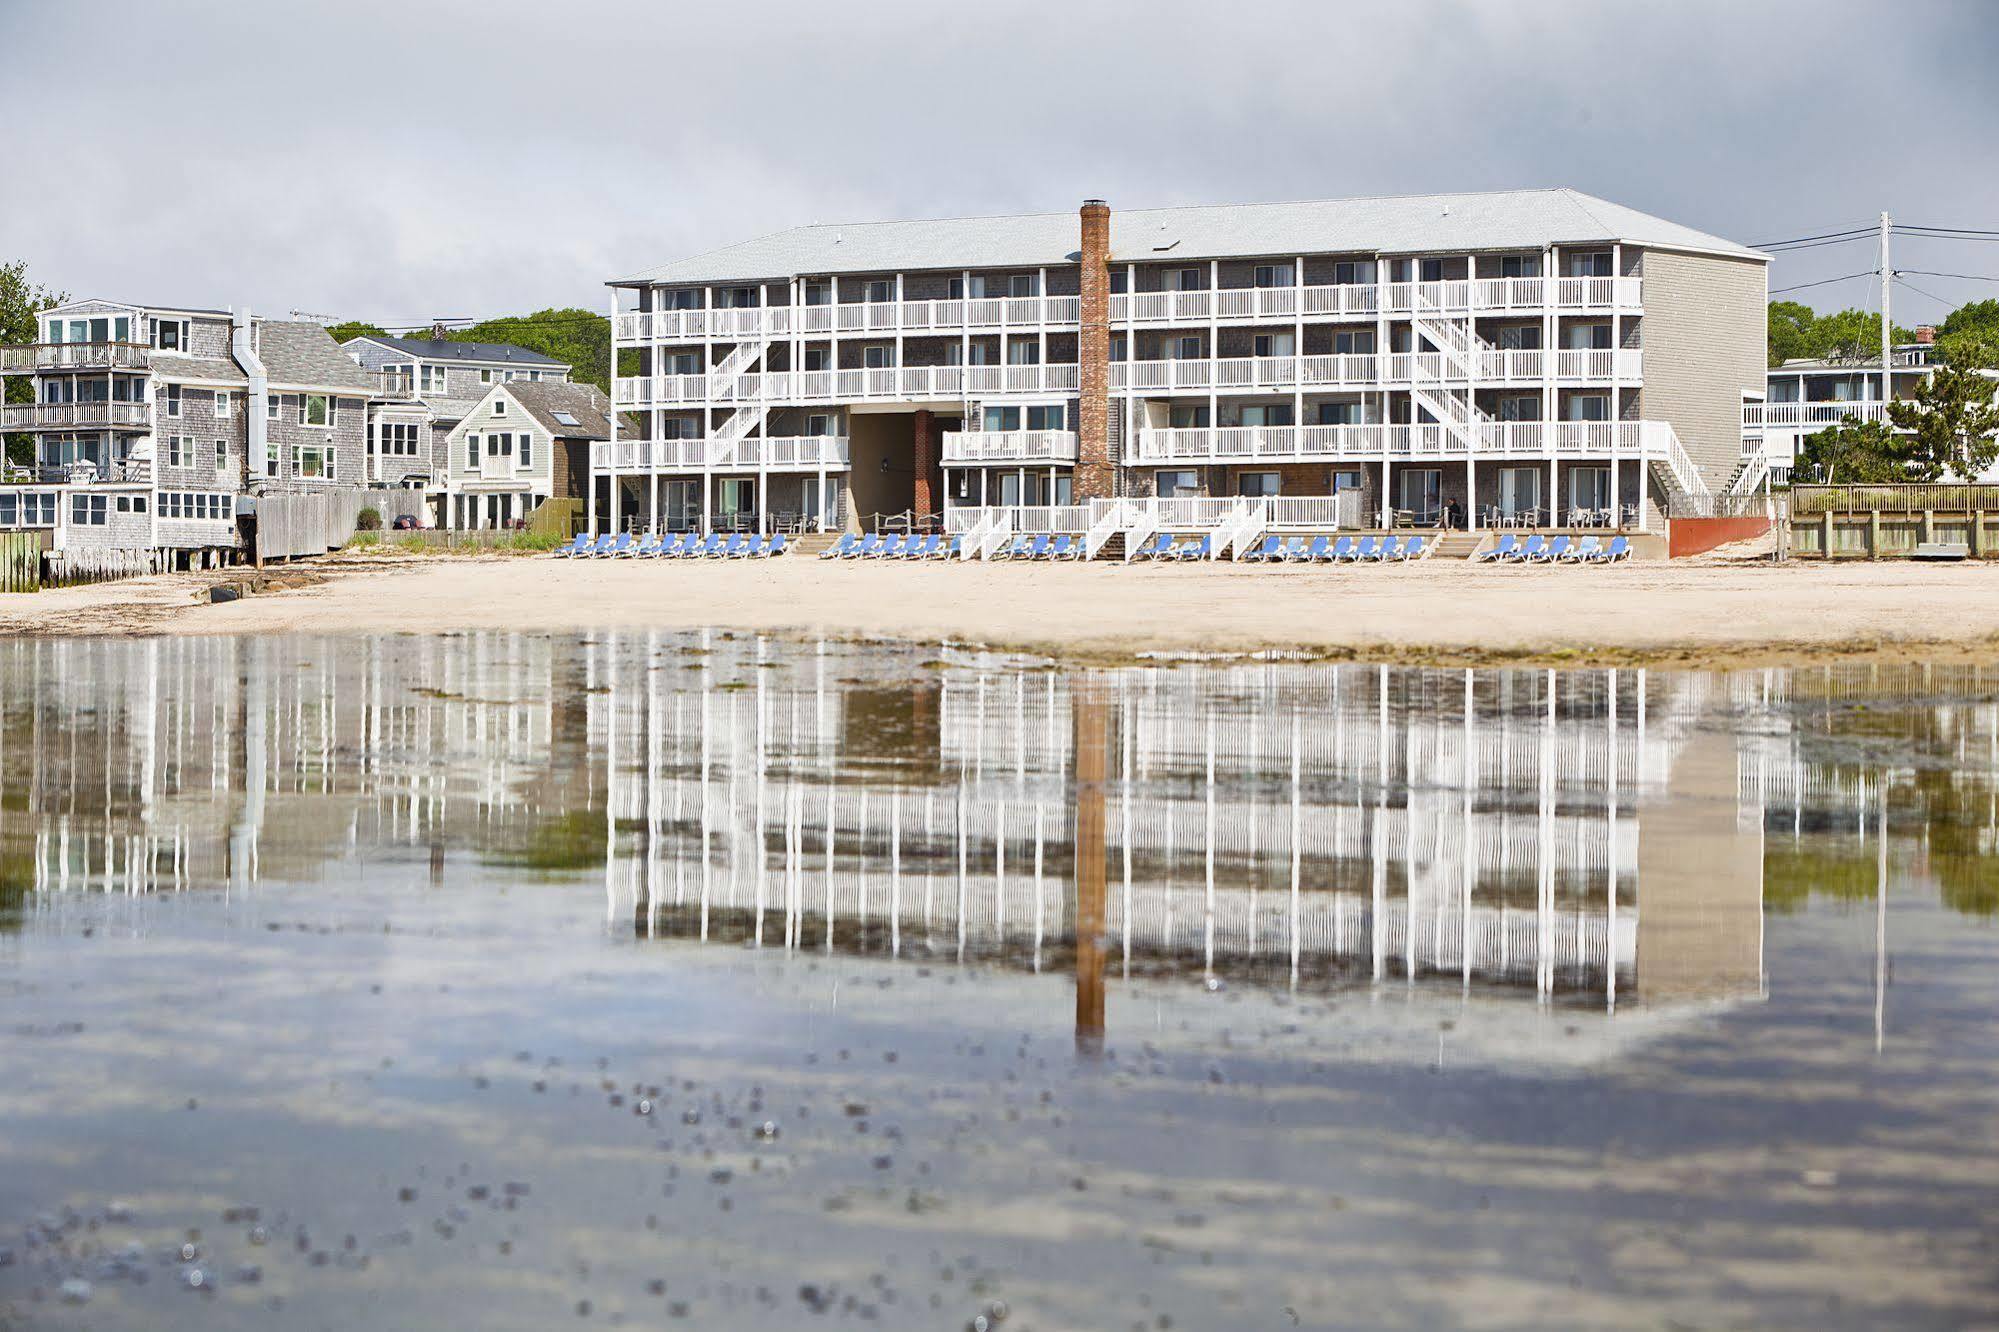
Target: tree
(1978,318)
(20,302)
(354,328)
(1791,331)
(1860,453)
(1952,421)
(578,337)
(1796,330)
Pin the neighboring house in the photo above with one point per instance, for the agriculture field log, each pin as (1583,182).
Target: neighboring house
(522,443)
(151,421)
(1530,355)
(437,381)
(1807,395)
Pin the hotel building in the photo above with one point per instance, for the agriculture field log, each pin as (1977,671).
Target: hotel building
(1534,357)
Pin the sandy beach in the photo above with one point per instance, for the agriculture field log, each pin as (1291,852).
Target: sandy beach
(1687,612)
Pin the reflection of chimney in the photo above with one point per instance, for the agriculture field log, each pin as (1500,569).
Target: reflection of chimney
(1926,334)
(1093,425)
(1092,750)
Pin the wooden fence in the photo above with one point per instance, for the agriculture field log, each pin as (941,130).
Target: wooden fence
(313,523)
(1894,499)
(20,561)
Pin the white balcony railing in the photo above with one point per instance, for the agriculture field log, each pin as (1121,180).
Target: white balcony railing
(1809,415)
(73,416)
(1364,299)
(785,452)
(910,383)
(74,356)
(1368,370)
(1543,439)
(965,447)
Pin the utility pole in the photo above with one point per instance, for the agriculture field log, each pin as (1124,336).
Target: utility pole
(1887,323)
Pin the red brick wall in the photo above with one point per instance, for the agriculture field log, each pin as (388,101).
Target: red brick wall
(927,494)
(1093,475)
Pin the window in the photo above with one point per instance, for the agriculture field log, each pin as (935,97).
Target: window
(819,423)
(1422,492)
(527,449)
(472,453)
(221,457)
(1431,270)
(818,358)
(818,293)
(87,510)
(736,298)
(1272,275)
(680,427)
(431,378)
(179,450)
(499,406)
(271,407)
(1023,351)
(221,405)
(313,462)
(1354,342)
(1257,483)
(880,358)
(565,418)
(1351,272)
(313,409)
(880,291)
(1524,338)
(270,459)
(1589,488)
(173,399)
(1520,266)
(1051,416)
(1594,263)
(1342,413)
(1187,279)
(686,298)
(1272,344)
(1589,407)
(1184,349)
(1024,284)
(1120,281)
(168,335)
(1520,407)
(124,504)
(486,376)
(1117,347)
(1348,478)
(1519,491)
(1273,414)
(399,439)
(1177,483)
(684,363)
(1002,418)
(1587,337)
(1187,416)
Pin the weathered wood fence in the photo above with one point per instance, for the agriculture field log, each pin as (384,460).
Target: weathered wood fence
(1890,522)
(20,561)
(289,526)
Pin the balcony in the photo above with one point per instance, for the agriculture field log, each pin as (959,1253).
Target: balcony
(1363,300)
(908,384)
(74,416)
(965,448)
(393,385)
(780,453)
(1808,415)
(43,357)
(1368,370)
(1525,439)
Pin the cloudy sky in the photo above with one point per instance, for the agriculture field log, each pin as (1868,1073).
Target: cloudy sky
(465,158)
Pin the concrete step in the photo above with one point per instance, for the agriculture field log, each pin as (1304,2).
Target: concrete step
(1457,545)
(811,543)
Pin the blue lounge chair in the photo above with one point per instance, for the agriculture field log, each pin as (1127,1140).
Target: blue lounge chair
(647,548)
(889,549)
(1037,549)
(1528,549)
(1312,552)
(619,546)
(1342,550)
(1415,548)
(578,544)
(753,549)
(673,547)
(1015,549)
(1154,549)
(922,548)
(1367,548)
(775,548)
(841,548)
(1194,548)
(1551,552)
(1618,549)
(1065,546)
(734,544)
(708,548)
(1583,550)
(868,548)
(1292,552)
(1271,549)
(951,551)
(1502,551)
(1389,550)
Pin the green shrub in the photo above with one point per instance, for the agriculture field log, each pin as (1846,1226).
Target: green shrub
(369,520)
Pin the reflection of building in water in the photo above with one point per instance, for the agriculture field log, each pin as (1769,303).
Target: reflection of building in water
(169,763)
(1303,823)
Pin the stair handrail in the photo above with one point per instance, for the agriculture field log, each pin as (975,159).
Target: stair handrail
(997,535)
(1107,525)
(1144,526)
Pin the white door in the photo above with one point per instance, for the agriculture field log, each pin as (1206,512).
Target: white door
(1519,491)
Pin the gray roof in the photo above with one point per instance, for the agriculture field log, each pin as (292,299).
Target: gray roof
(174,366)
(499,353)
(451,409)
(1408,223)
(586,403)
(306,355)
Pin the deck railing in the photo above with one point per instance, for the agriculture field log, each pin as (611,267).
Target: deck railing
(963,447)
(74,356)
(1630,439)
(784,452)
(1480,295)
(73,415)
(907,383)
(1812,415)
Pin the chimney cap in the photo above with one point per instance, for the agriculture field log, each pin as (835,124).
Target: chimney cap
(1095,203)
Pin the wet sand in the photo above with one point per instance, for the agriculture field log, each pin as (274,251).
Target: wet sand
(1696,612)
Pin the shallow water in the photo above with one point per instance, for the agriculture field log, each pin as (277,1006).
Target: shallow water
(511,981)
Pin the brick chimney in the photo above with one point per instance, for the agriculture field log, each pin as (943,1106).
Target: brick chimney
(1093,416)
(1926,334)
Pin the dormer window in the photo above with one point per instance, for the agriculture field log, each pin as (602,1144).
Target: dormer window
(170,335)
(432,378)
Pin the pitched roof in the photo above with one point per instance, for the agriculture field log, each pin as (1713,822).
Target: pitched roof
(306,355)
(585,404)
(1408,223)
(440,349)
(174,366)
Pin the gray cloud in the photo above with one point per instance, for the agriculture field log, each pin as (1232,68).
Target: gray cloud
(401,161)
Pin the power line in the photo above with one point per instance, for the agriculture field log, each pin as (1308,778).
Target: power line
(1823,235)
(1968,231)
(1778,291)
(1813,242)
(1815,245)
(1962,277)
(1920,292)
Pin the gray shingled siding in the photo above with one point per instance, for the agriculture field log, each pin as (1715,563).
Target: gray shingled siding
(131,530)
(395,468)
(208,337)
(1704,345)
(197,423)
(347,437)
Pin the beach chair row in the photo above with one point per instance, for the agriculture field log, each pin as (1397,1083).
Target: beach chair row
(685,546)
(1542,549)
(891,546)
(1298,550)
